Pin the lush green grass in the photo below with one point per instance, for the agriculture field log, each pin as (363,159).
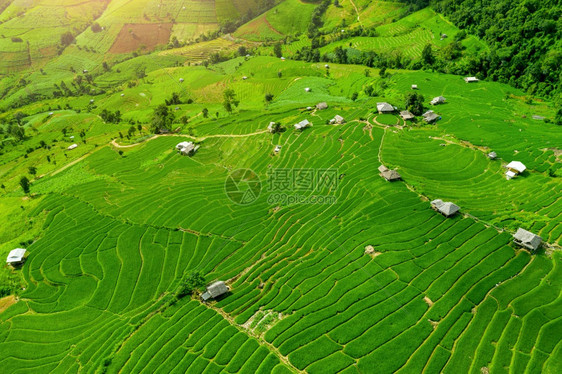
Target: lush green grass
(112,231)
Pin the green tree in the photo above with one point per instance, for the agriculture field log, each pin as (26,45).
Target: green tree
(17,132)
(268,97)
(96,27)
(32,170)
(242,51)
(354,96)
(205,112)
(229,100)
(414,103)
(558,117)
(67,38)
(191,283)
(162,119)
(277,50)
(427,55)
(24,183)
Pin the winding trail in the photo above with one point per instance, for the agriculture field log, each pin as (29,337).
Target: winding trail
(195,138)
(357,11)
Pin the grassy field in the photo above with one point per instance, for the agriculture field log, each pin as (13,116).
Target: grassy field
(408,36)
(360,276)
(113,233)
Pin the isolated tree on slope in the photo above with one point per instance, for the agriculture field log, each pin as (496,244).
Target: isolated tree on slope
(162,119)
(427,55)
(190,283)
(24,183)
(230,101)
(277,50)
(67,38)
(414,103)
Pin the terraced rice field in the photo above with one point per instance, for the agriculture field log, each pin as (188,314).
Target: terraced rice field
(408,36)
(374,282)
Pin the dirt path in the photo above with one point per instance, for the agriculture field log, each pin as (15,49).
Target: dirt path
(357,11)
(272,348)
(195,138)
(72,163)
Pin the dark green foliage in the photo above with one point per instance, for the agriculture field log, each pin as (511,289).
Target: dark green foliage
(66,39)
(229,100)
(316,22)
(277,51)
(558,118)
(162,119)
(414,103)
(192,282)
(174,100)
(525,40)
(427,55)
(95,27)
(24,183)
(110,117)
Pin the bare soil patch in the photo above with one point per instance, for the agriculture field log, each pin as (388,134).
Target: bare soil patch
(7,302)
(144,36)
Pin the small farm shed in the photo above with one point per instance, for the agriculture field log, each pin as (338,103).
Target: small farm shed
(385,108)
(181,80)
(406,115)
(277,148)
(187,148)
(430,116)
(322,106)
(215,290)
(527,239)
(471,79)
(383,168)
(446,208)
(391,175)
(414,86)
(302,124)
(307,89)
(337,120)
(492,155)
(73,146)
(514,168)
(437,100)
(16,256)
(271,127)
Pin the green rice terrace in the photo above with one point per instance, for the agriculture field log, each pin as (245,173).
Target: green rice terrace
(212,207)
